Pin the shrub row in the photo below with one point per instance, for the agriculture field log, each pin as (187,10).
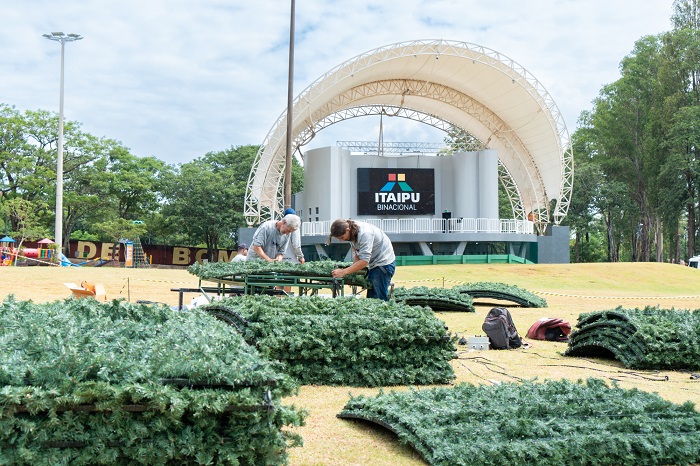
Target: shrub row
(649,338)
(502,291)
(344,341)
(91,383)
(438,299)
(323,268)
(553,423)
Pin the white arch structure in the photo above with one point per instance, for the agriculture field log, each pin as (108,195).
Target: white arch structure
(441,83)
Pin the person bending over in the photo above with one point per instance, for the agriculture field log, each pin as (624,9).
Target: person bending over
(371,248)
(296,239)
(271,239)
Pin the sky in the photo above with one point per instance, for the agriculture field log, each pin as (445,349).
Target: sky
(176,79)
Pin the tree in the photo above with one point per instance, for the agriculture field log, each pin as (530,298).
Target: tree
(680,78)
(28,151)
(29,216)
(459,140)
(682,172)
(581,217)
(205,199)
(627,150)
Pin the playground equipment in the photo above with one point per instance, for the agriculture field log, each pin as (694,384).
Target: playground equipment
(7,251)
(134,255)
(99,262)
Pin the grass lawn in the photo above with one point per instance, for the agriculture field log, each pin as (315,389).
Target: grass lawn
(568,289)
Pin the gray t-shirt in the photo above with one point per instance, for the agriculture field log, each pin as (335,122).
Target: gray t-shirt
(269,239)
(373,246)
(296,254)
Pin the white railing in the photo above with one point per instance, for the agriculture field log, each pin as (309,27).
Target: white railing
(433,225)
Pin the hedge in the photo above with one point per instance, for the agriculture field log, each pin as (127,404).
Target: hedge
(649,338)
(89,383)
(438,299)
(552,423)
(323,268)
(495,290)
(345,340)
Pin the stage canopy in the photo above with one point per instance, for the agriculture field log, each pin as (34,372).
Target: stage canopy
(442,83)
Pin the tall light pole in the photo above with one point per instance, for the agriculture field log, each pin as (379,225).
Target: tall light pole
(62,38)
(290,117)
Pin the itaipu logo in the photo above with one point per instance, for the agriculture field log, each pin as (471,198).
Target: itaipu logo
(400,200)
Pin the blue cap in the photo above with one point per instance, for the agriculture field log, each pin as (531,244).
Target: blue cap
(242,246)
(289,210)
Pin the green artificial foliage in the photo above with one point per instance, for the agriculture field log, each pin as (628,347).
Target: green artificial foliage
(83,382)
(552,423)
(322,268)
(438,299)
(649,338)
(502,291)
(344,341)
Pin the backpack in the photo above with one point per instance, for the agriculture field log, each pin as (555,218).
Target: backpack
(500,329)
(551,329)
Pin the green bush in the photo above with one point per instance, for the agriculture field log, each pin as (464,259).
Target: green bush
(344,341)
(553,423)
(438,299)
(502,291)
(323,268)
(649,338)
(90,383)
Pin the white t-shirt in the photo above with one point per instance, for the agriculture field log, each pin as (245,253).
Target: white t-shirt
(239,257)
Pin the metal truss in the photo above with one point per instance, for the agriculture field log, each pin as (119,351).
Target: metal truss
(398,148)
(264,197)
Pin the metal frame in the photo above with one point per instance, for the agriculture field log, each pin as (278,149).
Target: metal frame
(264,197)
(266,283)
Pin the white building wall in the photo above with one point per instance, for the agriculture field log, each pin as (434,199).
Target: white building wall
(466,184)
(488,184)
(325,190)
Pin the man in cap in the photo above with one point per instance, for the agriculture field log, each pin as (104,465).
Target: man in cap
(242,253)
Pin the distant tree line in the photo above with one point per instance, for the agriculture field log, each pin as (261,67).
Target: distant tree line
(637,153)
(109,193)
(636,182)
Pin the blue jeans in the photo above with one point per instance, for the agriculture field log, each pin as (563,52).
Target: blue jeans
(380,278)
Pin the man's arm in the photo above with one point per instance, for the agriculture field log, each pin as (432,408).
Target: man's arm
(261,254)
(355,267)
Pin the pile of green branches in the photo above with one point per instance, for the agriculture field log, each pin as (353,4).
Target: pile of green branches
(438,299)
(89,383)
(322,268)
(649,338)
(552,423)
(495,290)
(344,341)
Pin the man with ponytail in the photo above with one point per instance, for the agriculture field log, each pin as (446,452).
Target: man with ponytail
(371,248)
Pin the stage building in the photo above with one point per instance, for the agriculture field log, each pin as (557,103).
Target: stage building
(439,208)
(428,205)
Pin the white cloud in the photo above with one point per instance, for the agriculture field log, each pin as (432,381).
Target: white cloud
(177,79)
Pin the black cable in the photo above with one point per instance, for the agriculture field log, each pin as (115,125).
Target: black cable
(486,363)
(633,374)
(475,374)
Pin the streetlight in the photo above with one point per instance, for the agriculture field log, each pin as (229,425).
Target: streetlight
(290,117)
(62,38)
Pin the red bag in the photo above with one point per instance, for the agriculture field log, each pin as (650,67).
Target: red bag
(550,328)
